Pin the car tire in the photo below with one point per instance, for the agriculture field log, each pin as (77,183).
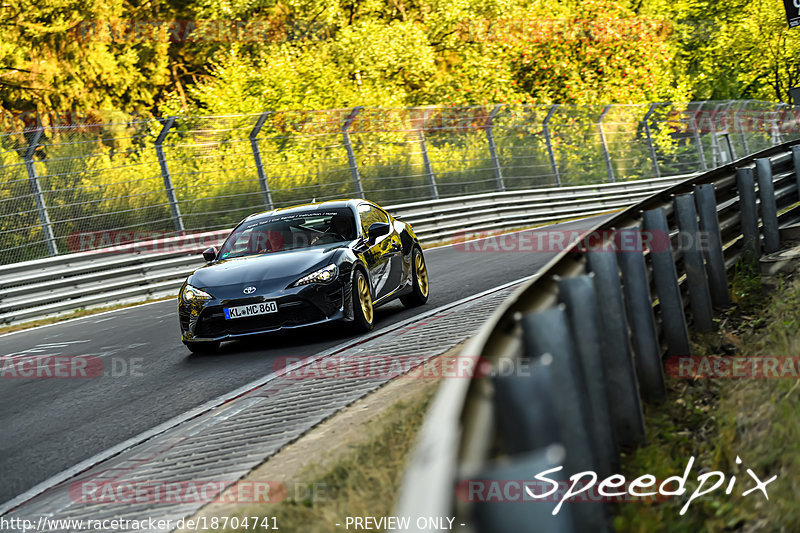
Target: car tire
(420,282)
(363,311)
(202,347)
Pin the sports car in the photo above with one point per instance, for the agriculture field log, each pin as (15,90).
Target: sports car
(302,266)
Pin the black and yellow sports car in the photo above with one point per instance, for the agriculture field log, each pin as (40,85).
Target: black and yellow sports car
(301,266)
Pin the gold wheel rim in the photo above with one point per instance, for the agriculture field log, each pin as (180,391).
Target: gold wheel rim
(365,299)
(422,275)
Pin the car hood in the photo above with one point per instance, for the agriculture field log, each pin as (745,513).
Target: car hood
(266,272)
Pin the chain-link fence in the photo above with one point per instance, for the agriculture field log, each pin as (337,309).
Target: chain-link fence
(132,180)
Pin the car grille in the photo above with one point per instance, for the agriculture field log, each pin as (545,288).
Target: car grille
(212,322)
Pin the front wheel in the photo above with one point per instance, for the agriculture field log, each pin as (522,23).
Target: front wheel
(363,312)
(199,347)
(420,283)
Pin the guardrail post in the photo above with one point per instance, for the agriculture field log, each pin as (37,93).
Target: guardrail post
(650,145)
(546,335)
(427,162)
(715,260)
(769,211)
(497,516)
(673,318)
(177,220)
(609,167)
(745,182)
(689,239)
(351,156)
(615,345)
(549,142)
(262,177)
(577,295)
(796,162)
(636,289)
(498,171)
(524,407)
(698,143)
(36,191)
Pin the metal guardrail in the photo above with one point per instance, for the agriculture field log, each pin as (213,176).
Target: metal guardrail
(104,277)
(589,329)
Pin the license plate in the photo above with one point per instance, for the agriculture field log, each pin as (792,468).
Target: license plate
(242,311)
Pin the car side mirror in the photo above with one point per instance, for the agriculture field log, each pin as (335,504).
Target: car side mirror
(377,230)
(210,254)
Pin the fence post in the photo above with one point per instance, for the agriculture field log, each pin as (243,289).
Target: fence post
(549,142)
(351,156)
(606,155)
(777,138)
(731,147)
(689,238)
(715,260)
(498,172)
(168,188)
(738,123)
(651,147)
(701,153)
(427,162)
(262,177)
(38,197)
(769,211)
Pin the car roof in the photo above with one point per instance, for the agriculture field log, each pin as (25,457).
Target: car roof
(317,206)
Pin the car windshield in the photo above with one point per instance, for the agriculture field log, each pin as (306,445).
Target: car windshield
(289,231)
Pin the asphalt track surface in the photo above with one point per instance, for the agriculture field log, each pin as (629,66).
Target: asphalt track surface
(149,377)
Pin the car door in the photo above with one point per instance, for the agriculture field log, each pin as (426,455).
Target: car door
(384,257)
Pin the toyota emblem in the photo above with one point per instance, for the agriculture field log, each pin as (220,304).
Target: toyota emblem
(249,290)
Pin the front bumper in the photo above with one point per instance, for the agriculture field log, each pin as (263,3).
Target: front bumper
(297,307)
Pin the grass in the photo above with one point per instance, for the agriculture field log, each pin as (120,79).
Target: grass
(364,481)
(716,420)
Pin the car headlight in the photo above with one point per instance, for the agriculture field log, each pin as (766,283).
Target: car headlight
(323,275)
(190,293)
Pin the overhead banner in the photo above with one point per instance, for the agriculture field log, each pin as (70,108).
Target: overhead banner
(792,12)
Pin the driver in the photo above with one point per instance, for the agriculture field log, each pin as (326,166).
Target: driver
(341,225)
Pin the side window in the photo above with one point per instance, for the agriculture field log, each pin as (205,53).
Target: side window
(370,215)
